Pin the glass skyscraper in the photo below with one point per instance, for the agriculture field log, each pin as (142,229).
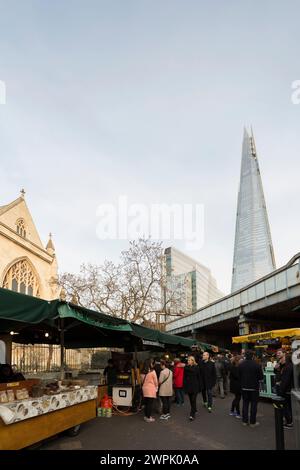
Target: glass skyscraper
(253,249)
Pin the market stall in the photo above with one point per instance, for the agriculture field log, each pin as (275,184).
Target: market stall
(266,344)
(31,412)
(26,418)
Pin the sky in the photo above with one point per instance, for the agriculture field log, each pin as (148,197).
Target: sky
(148,99)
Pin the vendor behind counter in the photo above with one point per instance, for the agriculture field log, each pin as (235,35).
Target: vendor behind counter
(7,374)
(111,375)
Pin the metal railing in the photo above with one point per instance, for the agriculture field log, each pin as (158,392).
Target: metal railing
(39,358)
(44,358)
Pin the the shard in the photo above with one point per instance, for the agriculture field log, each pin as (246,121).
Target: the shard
(253,248)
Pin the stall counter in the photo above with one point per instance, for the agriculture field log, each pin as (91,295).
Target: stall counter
(30,421)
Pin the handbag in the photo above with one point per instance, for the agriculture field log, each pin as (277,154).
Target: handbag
(167,378)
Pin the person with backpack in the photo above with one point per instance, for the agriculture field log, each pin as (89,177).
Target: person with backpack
(149,388)
(165,389)
(192,384)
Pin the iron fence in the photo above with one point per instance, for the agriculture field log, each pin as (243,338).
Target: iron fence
(45,358)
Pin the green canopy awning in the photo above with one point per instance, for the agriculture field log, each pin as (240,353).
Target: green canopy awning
(176,340)
(92,318)
(17,310)
(160,337)
(32,317)
(145,333)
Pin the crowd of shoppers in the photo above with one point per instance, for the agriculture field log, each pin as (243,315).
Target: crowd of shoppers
(239,374)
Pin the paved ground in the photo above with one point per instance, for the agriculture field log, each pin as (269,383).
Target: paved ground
(217,431)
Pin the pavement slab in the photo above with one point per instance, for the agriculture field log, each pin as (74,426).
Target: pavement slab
(209,431)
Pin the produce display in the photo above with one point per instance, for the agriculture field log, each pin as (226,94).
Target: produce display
(21,404)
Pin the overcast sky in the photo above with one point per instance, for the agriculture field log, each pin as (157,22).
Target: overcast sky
(148,99)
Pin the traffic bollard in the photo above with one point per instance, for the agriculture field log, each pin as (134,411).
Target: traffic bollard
(279,431)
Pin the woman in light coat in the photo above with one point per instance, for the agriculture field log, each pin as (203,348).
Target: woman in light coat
(165,389)
(150,388)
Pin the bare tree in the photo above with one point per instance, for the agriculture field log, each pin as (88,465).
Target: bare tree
(136,289)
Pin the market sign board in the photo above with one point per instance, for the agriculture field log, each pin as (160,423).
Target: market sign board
(268,342)
(152,343)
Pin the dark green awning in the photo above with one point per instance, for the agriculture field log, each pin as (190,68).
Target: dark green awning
(92,318)
(31,317)
(145,333)
(160,337)
(17,310)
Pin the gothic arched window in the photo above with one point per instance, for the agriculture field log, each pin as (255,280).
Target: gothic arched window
(21,228)
(21,278)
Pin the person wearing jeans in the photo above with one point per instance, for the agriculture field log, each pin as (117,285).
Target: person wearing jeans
(166,405)
(208,378)
(250,398)
(179,395)
(207,395)
(165,389)
(235,405)
(221,375)
(250,374)
(235,386)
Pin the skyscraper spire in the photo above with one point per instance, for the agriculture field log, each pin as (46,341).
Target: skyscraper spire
(253,248)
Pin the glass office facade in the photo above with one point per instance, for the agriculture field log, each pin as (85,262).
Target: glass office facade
(253,249)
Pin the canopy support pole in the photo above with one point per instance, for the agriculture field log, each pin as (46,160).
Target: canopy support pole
(135,356)
(62,350)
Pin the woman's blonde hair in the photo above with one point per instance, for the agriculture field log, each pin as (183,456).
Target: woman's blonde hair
(193,360)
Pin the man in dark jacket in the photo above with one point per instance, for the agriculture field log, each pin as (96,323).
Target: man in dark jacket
(209,378)
(285,386)
(111,374)
(221,375)
(227,365)
(250,374)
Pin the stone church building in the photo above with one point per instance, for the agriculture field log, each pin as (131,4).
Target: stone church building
(26,266)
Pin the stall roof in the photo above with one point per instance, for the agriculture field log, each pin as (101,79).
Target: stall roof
(31,317)
(160,337)
(19,309)
(290,332)
(92,318)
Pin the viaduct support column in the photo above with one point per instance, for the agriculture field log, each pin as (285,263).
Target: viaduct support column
(244,328)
